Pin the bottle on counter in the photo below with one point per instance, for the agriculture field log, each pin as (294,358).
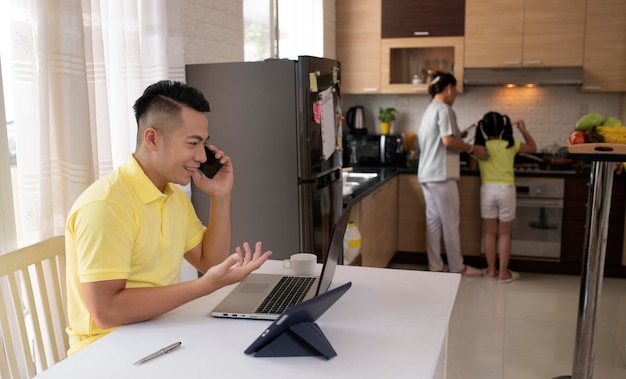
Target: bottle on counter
(351,243)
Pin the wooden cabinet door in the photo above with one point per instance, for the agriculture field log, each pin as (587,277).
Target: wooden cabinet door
(554,33)
(358,45)
(422,18)
(504,33)
(378,225)
(471,222)
(368,227)
(575,205)
(387,212)
(493,33)
(411,215)
(605,46)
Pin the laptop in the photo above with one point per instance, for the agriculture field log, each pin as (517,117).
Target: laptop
(249,299)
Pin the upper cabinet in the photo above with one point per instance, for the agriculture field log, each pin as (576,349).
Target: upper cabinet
(422,18)
(405,59)
(504,33)
(371,64)
(358,45)
(605,46)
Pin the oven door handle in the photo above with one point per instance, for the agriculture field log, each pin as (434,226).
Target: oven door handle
(539,203)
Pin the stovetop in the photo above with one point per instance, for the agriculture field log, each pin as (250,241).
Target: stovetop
(532,168)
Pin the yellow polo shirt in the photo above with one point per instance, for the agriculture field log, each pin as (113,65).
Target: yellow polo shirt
(123,227)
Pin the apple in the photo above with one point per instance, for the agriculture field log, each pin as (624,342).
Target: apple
(578,136)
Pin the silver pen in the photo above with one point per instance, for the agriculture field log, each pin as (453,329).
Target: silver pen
(163,351)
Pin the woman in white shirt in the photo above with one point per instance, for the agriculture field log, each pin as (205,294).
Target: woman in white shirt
(440,145)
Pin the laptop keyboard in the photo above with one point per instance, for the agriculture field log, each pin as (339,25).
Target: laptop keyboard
(288,291)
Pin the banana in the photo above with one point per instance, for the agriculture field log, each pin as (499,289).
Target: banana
(611,134)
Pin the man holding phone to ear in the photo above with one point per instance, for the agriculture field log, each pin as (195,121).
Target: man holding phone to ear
(127,234)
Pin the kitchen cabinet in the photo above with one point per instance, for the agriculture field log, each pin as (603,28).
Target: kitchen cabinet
(575,216)
(358,45)
(504,33)
(605,46)
(412,210)
(471,222)
(401,58)
(422,18)
(411,215)
(378,222)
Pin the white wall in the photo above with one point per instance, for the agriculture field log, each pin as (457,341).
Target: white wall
(213,31)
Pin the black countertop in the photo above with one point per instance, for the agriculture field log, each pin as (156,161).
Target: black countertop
(387,172)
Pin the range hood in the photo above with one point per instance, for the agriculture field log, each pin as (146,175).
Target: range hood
(553,76)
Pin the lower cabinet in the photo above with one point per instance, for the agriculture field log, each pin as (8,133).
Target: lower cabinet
(411,215)
(574,220)
(378,222)
(412,211)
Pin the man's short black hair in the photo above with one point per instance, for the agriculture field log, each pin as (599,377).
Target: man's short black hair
(168,93)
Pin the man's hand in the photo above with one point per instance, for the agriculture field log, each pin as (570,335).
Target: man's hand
(222,182)
(236,267)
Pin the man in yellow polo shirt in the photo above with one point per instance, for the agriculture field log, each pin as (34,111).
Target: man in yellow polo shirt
(127,234)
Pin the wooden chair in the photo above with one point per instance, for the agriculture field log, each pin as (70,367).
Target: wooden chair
(32,309)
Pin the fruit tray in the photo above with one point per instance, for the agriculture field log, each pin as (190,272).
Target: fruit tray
(597,148)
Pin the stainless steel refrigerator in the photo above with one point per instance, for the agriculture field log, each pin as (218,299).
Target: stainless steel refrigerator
(274,120)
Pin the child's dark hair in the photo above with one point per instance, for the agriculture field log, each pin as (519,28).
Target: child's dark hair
(439,82)
(493,124)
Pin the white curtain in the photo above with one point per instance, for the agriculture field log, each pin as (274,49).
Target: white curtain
(78,67)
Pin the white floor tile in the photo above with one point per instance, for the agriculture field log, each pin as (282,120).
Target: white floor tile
(527,329)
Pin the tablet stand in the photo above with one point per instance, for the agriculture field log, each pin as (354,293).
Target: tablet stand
(302,339)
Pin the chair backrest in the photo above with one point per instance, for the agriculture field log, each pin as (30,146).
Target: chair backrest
(32,309)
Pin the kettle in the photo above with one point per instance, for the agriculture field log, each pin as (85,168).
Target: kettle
(355,120)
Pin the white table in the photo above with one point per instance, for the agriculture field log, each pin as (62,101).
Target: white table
(390,324)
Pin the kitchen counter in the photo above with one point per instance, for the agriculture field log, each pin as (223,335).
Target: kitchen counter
(410,248)
(386,173)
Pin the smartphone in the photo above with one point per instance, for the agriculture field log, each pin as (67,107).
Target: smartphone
(212,165)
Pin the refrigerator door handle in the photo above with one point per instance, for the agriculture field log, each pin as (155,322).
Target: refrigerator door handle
(323,180)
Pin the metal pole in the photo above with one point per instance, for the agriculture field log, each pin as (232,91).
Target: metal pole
(600,192)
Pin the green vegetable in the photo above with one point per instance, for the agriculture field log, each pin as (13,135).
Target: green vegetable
(589,121)
(612,121)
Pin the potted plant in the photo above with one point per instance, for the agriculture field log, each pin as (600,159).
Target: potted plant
(386,116)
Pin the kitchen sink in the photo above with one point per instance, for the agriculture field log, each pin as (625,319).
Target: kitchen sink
(353,180)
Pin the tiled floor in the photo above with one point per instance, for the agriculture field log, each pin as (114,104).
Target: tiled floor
(526,329)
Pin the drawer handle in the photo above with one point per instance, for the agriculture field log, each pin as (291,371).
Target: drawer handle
(421,33)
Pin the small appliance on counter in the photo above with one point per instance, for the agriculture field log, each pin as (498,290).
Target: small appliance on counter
(373,150)
(355,119)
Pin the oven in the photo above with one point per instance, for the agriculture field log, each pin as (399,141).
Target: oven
(536,231)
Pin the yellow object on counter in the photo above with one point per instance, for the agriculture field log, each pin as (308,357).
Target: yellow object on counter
(612,134)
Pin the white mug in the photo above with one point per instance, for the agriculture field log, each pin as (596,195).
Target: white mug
(301,263)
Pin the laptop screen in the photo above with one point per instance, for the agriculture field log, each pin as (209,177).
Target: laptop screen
(335,251)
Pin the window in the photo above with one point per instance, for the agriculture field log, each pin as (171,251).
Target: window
(8,196)
(300,29)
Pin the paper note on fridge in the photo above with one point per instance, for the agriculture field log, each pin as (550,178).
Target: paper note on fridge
(329,136)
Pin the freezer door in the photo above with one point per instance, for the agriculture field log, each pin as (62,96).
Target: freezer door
(324,208)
